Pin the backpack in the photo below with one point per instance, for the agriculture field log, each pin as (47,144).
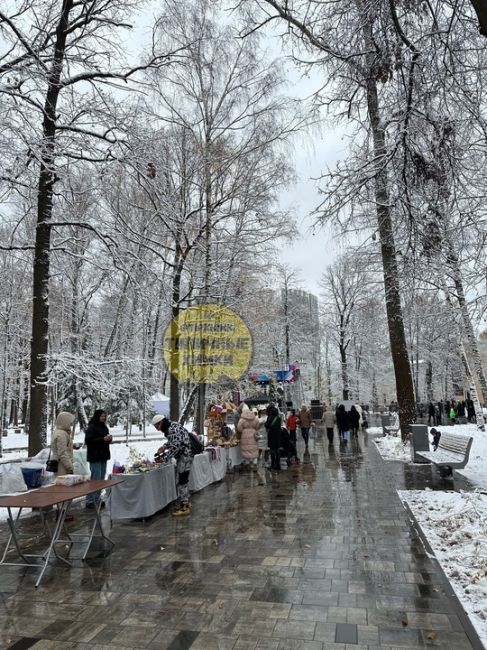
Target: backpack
(196,446)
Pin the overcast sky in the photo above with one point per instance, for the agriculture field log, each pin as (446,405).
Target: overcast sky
(315,247)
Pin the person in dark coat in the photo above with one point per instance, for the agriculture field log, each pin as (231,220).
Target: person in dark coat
(431,413)
(97,441)
(470,411)
(273,428)
(461,410)
(436,438)
(354,418)
(343,420)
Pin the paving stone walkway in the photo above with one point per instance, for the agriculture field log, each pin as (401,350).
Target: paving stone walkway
(320,557)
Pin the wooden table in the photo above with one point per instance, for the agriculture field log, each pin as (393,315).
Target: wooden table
(55,495)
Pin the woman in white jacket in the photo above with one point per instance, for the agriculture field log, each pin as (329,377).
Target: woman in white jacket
(247,428)
(62,443)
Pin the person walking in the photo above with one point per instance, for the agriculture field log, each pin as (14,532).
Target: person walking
(262,436)
(343,421)
(461,411)
(178,446)
(431,413)
(453,413)
(305,422)
(247,427)
(292,425)
(97,441)
(354,420)
(273,427)
(328,418)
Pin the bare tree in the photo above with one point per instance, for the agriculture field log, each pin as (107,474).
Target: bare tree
(54,50)
(357,66)
(343,284)
(221,101)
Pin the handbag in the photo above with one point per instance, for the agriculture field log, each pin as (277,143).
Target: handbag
(52,465)
(195,444)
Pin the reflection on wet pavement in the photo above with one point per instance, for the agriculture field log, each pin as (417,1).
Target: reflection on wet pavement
(319,556)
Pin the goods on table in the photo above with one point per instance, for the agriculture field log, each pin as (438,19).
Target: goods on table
(137,463)
(140,467)
(221,442)
(69,479)
(214,422)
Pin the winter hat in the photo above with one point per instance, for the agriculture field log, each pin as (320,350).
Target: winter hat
(157,418)
(65,421)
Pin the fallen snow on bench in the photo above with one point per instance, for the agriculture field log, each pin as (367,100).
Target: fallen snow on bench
(391,448)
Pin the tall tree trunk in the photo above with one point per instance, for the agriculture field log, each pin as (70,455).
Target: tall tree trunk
(40,302)
(122,303)
(174,386)
(442,155)
(479,418)
(189,404)
(429,381)
(75,346)
(472,344)
(397,336)
(463,356)
(344,369)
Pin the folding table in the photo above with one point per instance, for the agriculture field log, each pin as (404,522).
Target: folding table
(54,495)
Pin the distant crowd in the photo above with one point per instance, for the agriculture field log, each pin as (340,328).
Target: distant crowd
(455,411)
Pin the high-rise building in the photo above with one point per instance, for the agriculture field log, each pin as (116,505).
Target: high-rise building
(285,330)
(304,339)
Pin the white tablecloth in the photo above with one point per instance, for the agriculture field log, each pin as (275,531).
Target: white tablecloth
(234,456)
(142,495)
(207,470)
(201,473)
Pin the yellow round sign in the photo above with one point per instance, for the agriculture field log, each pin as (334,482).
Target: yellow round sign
(206,343)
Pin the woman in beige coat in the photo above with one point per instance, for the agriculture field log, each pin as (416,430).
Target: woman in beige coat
(329,420)
(62,443)
(305,422)
(247,427)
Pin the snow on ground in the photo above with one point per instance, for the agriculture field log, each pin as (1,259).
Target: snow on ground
(455,525)
(14,445)
(393,448)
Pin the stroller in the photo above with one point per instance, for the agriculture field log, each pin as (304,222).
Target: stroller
(288,447)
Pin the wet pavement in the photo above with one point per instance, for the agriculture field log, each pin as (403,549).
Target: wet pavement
(318,557)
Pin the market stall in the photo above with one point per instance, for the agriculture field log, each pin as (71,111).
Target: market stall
(143,494)
(208,467)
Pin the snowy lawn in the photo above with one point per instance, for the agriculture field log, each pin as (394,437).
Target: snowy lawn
(391,448)
(455,525)
(18,442)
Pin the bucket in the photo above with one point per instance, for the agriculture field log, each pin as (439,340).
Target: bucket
(32,475)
